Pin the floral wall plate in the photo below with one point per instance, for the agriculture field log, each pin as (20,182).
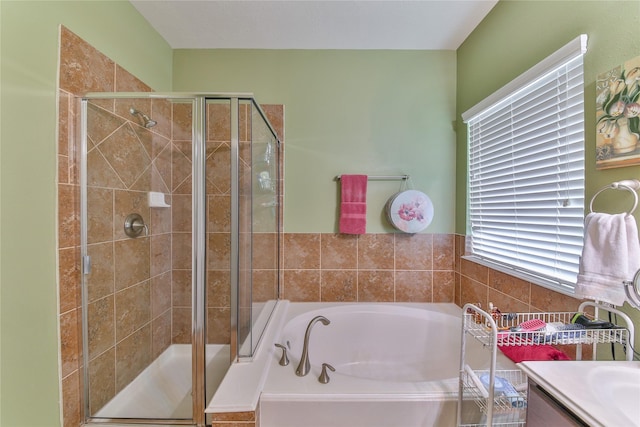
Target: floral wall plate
(410,211)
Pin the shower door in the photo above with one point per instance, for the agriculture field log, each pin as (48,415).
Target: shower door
(137,257)
(180,249)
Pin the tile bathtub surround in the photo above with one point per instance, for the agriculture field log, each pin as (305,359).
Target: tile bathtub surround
(401,267)
(384,267)
(478,283)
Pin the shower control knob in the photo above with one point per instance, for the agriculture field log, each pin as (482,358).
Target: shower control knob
(134,226)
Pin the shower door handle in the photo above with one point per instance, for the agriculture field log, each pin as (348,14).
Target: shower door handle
(86,264)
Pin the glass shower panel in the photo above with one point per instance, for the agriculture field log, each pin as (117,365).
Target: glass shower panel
(218,241)
(245,243)
(136,209)
(259,210)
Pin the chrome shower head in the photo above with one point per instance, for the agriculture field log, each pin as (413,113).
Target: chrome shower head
(148,123)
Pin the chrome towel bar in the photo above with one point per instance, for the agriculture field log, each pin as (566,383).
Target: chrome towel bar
(381,177)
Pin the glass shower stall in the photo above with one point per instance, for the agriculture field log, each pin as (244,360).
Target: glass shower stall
(180,237)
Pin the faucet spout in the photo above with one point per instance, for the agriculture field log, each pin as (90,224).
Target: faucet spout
(305,366)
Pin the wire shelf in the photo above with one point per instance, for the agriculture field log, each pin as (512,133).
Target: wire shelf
(508,410)
(479,328)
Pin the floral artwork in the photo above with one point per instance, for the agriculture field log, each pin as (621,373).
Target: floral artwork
(411,211)
(618,116)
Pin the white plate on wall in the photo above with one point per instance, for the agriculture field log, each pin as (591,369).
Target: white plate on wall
(410,211)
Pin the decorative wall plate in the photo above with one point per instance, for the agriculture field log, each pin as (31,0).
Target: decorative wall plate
(410,211)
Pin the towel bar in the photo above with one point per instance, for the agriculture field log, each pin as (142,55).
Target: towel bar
(381,177)
(631,185)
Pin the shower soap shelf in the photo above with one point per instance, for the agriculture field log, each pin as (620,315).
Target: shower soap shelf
(157,200)
(496,406)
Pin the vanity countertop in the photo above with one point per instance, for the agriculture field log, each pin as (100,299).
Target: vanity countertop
(601,393)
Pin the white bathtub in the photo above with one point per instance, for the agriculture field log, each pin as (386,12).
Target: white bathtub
(396,365)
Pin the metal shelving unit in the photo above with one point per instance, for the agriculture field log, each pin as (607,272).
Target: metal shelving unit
(509,408)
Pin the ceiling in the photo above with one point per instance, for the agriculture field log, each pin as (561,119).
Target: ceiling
(314,24)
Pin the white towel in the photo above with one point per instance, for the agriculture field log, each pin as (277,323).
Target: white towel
(611,255)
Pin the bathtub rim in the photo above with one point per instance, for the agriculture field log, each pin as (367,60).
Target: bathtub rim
(245,383)
(363,389)
(398,355)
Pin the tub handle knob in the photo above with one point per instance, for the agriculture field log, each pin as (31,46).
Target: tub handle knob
(324,376)
(284,360)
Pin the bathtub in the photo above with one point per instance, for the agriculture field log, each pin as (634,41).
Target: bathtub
(395,365)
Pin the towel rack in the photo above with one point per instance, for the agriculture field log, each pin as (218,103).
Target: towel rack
(631,185)
(381,177)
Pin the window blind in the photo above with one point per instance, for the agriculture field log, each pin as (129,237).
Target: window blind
(526,176)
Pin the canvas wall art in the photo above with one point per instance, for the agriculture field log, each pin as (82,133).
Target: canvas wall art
(618,116)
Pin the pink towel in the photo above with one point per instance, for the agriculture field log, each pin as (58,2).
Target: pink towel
(353,206)
(521,353)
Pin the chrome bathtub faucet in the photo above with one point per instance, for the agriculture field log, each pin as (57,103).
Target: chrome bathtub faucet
(304,366)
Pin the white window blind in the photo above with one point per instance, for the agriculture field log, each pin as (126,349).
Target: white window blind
(526,173)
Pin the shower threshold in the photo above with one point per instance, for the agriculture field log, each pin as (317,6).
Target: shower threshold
(163,389)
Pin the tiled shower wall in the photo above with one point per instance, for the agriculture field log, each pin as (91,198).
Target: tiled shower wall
(83,69)
(316,266)
(130,282)
(139,289)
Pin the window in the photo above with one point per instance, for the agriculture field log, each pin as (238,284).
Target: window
(526,173)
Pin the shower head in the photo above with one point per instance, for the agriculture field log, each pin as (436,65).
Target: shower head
(148,123)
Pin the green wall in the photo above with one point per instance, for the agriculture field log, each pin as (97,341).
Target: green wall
(370,112)
(29,392)
(374,112)
(516,35)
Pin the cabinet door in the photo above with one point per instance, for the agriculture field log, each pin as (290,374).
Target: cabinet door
(544,411)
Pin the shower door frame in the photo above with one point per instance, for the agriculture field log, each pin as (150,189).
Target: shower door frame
(199,215)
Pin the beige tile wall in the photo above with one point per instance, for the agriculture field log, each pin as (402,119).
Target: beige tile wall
(477,283)
(129,300)
(83,69)
(369,268)
(403,267)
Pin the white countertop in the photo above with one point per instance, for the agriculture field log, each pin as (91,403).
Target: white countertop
(600,393)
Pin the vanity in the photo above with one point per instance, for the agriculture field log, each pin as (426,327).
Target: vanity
(583,393)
